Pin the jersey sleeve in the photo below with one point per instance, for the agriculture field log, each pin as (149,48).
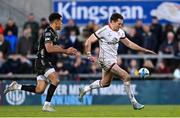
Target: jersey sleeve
(99,33)
(122,34)
(48,36)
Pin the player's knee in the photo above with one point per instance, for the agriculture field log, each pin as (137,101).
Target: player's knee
(55,81)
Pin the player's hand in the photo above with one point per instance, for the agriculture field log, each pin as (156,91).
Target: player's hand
(77,54)
(71,51)
(92,59)
(149,51)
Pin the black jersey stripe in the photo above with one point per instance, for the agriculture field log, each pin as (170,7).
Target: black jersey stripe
(96,36)
(122,37)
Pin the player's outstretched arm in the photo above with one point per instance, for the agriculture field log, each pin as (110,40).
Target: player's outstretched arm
(58,49)
(134,46)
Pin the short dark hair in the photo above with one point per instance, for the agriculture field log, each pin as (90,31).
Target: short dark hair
(54,16)
(115,17)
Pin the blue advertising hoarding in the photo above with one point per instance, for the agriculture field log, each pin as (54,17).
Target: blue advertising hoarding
(146,92)
(83,11)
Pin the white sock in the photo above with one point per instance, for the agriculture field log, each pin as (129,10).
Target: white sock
(46,103)
(129,92)
(18,87)
(94,85)
(87,88)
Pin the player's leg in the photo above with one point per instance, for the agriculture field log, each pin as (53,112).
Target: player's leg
(104,82)
(116,70)
(41,85)
(39,88)
(53,77)
(126,79)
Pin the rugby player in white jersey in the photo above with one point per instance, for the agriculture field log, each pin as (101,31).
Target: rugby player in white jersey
(109,37)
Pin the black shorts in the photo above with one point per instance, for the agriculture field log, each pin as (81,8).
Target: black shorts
(42,66)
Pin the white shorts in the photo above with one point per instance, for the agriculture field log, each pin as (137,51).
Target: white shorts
(48,72)
(42,77)
(45,76)
(106,65)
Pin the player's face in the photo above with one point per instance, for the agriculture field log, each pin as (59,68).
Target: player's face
(118,24)
(58,24)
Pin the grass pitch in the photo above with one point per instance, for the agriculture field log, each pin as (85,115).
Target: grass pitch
(92,111)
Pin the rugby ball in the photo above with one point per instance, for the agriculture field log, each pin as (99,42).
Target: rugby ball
(143,72)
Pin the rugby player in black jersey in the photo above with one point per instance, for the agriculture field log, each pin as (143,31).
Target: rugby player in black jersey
(44,64)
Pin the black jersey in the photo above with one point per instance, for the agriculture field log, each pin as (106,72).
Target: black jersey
(48,35)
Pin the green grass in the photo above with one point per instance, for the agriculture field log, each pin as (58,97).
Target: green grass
(92,111)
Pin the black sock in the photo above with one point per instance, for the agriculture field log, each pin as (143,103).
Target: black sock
(50,92)
(30,88)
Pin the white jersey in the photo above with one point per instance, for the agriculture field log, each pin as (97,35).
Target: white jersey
(108,43)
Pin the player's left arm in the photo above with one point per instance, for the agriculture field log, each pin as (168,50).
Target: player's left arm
(134,46)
